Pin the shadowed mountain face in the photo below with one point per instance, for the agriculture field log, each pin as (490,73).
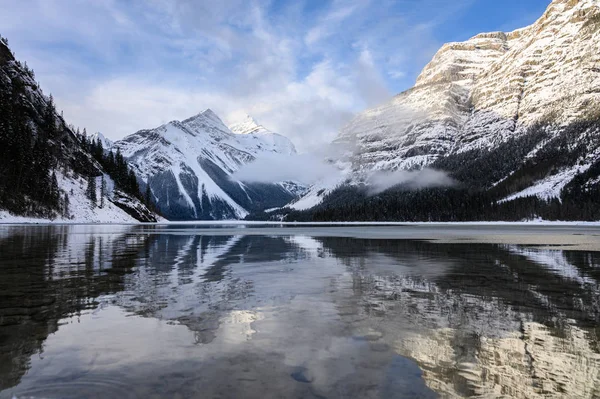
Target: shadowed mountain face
(88,307)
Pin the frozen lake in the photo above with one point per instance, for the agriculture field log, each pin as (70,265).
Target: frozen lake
(267,311)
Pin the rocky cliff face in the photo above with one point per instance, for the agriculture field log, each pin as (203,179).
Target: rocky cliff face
(188,166)
(551,72)
(478,93)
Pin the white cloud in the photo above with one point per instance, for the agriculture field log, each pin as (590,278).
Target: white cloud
(304,168)
(411,180)
(396,74)
(117,67)
(308,111)
(340,10)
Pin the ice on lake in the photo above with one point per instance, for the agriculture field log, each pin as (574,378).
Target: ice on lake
(264,311)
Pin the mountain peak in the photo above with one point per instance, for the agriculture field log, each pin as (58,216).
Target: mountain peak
(248,125)
(208,116)
(485,90)
(207,113)
(250,120)
(106,143)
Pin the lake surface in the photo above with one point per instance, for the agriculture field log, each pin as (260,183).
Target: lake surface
(184,311)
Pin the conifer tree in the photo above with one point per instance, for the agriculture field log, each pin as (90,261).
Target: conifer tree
(91,190)
(54,190)
(102,191)
(65,208)
(148,195)
(50,117)
(99,150)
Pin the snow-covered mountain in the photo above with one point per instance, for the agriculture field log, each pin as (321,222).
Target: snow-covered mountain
(106,143)
(278,143)
(47,171)
(479,93)
(417,126)
(188,165)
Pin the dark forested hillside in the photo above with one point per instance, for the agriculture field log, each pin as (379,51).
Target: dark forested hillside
(115,166)
(33,140)
(36,145)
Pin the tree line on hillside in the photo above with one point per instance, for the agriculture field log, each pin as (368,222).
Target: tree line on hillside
(28,182)
(115,166)
(36,144)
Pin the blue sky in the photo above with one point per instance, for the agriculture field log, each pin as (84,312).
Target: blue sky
(302,68)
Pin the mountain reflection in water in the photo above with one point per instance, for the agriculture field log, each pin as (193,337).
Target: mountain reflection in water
(136,311)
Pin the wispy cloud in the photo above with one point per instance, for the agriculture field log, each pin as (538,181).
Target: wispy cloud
(117,66)
(304,168)
(332,20)
(411,180)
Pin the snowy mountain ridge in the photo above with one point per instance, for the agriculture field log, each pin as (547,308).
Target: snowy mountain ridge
(188,165)
(248,125)
(279,143)
(477,94)
(106,143)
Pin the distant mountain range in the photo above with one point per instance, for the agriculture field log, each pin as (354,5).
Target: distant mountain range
(51,171)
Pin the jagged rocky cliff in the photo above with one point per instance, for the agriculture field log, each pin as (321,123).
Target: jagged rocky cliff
(188,165)
(480,92)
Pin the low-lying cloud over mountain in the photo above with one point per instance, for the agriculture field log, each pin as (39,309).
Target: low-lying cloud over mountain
(381,180)
(303,168)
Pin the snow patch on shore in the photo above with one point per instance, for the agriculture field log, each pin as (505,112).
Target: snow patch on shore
(80,207)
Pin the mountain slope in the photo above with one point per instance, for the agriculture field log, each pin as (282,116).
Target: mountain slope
(475,95)
(188,166)
(550,73)
(278,143)
(422,123)
(482,91)
(47,172)
(106,143)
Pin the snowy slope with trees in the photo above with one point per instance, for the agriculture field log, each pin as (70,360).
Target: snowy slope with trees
(47,170)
